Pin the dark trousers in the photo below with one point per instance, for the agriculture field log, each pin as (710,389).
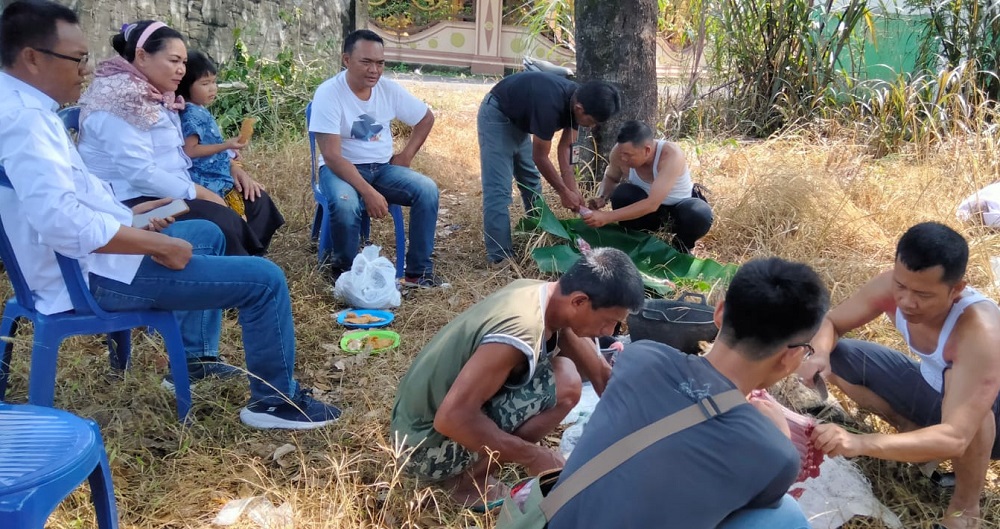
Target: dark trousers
(263,217)
(689,220)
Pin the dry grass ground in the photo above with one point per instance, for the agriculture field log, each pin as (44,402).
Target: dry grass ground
(814,199)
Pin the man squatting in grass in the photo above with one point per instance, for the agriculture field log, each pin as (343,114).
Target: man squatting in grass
(503,374)
(945,406)
(733,470)
(57,205)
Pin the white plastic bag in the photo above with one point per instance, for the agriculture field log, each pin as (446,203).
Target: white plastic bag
(370,283)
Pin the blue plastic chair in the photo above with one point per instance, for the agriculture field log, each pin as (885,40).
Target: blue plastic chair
(45,454)
(71,118)
(321,220)
(85,318)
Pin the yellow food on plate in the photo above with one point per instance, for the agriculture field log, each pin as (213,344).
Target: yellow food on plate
(370,343)
(361,319)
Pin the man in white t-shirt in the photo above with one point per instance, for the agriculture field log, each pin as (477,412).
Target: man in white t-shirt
(351,117)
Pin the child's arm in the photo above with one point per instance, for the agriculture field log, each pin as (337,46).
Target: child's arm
(193,147)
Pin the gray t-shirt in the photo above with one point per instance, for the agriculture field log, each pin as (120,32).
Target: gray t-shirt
(693,479)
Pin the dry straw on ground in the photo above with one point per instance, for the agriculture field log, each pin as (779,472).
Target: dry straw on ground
(813,199)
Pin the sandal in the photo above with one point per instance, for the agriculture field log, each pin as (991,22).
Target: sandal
(483,508)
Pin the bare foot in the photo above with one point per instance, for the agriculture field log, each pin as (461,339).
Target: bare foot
(468,491)
(960,520)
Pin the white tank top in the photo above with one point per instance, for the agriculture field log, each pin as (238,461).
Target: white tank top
(933,365)
(682,188)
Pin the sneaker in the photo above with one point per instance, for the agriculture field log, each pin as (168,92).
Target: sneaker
(302,413)
(424,281)
(204,368)
(333,272)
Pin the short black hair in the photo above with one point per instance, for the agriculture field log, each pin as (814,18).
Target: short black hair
(360,34)
(608,277)
(125,41)
(600,100)
(931,244)
(634,132)
(770,302)
(30,24)
(199,65)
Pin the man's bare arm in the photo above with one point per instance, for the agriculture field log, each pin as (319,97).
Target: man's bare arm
(460,416)
(540,150)
(870,301)
(329,145)
(417,138)
(613,174)
(971,387)
(584,354)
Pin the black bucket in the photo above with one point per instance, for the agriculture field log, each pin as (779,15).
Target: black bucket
(677,323)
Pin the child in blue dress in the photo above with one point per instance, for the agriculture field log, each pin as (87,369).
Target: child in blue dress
(214,160)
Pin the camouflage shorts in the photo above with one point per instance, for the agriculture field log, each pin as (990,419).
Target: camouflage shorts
(439,458)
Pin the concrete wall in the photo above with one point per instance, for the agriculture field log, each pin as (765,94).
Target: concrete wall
(313,27)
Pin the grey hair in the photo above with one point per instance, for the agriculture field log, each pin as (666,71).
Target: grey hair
(608,277)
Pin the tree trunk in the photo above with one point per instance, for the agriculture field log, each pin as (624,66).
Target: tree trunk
(616,42)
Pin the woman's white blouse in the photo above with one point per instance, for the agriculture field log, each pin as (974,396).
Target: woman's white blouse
(137,163)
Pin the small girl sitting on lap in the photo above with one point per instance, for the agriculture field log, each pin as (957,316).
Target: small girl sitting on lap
(213,159)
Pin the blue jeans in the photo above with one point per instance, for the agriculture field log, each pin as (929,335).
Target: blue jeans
(399,185)
(504,151)
(209,283)
(786,515)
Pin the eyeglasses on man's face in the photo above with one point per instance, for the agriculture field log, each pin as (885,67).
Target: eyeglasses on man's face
(808,346)
(80,61)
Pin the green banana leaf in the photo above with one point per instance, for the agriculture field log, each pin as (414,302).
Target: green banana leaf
(665,270)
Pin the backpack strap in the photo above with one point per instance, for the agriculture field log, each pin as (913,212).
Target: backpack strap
(616,454)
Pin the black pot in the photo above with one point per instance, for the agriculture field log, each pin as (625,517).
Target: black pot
(677,323)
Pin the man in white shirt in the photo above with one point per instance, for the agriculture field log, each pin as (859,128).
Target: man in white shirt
(351,116)
(52,203)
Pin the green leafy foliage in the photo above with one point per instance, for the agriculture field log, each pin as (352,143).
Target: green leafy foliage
(962,33)
(276,92)
(781,57)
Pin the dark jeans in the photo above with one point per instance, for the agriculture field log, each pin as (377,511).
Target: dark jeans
(504,156)
(689,220)
(240,239)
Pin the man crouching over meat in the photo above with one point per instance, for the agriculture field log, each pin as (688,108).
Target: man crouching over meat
(503,374)
(733,469)
(945,405)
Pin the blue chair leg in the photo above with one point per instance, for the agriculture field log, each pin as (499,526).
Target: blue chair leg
(102,489)
(120,349)
(42,378)
(317,220)
(397,220)
(366,229)
(178,367)
(7,330)
(325,237)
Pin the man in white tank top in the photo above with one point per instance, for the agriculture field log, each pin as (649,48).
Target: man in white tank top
(945,406)
(648,185)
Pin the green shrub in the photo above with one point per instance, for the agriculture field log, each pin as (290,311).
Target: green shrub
(276,92)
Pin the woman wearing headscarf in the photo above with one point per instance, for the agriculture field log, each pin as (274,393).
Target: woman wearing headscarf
(130,132)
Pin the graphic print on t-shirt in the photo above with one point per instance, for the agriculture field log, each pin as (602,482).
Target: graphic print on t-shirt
(366,128)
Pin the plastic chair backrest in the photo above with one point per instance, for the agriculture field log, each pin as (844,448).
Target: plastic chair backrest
(312,147)
(79,293)
(21,290)
(70,117)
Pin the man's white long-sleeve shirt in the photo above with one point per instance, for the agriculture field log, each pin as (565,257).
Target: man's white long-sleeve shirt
(56,204)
